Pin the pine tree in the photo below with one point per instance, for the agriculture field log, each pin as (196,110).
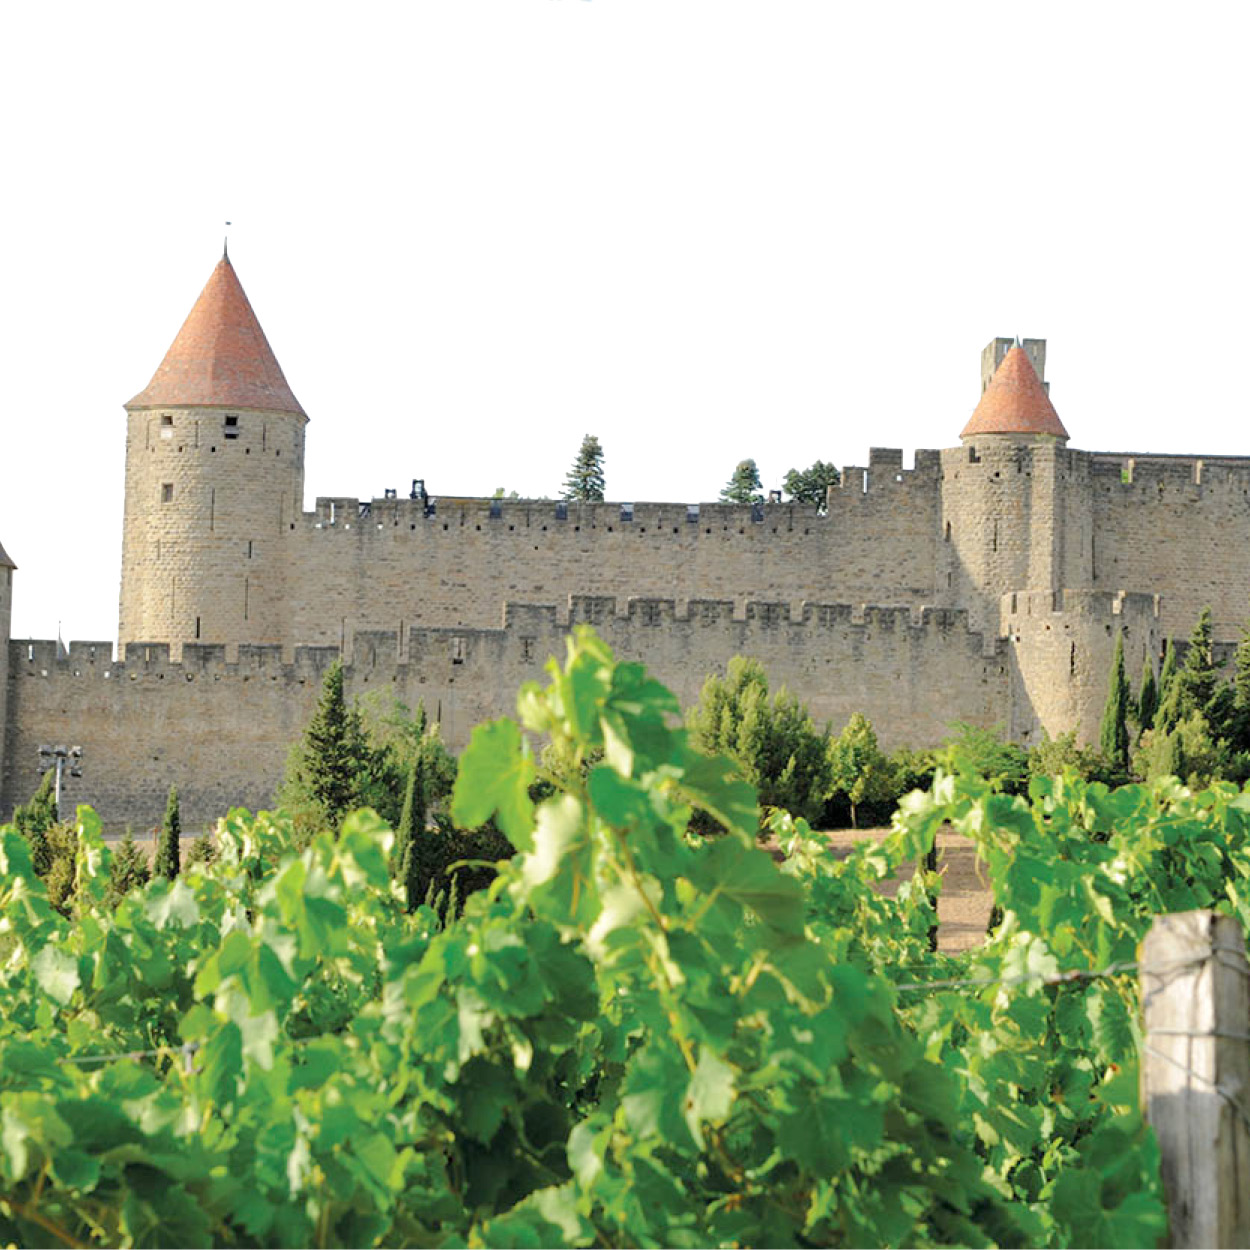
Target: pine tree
(203,851)
(1148,698)
(128,869)
(1197,678)
(585,480)
(1193,687)
(335,753)
(1114,736)
(168,862)
(744,486)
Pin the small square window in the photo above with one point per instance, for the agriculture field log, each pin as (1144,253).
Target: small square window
(167,492)
(167,418)
(232,427)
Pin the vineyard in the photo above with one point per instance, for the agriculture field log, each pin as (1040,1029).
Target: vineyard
(634,1036)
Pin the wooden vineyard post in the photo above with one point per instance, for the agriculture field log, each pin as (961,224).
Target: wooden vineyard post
(1195,1073)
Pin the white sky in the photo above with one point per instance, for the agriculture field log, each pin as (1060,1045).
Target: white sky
(475,230)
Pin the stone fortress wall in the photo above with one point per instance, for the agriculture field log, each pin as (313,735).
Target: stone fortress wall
(985,583)
(220,727)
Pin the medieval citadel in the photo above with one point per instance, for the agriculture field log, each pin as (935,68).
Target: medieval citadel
(987,584)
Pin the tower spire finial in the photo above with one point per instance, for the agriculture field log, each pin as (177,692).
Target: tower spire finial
(225,245)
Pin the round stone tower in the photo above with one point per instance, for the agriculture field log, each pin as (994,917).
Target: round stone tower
(214,483)
(1003,505)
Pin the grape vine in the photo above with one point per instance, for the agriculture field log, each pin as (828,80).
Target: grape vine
(635,1036)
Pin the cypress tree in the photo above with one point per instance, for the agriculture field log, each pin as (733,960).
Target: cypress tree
(1167,713)
(1148,698)
(33,820)
(1114,736)
(168,851)
(411,834)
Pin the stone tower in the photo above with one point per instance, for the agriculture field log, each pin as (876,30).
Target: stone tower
(214,483)
(1003,492)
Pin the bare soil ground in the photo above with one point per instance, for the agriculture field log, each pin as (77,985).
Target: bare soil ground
(964,903)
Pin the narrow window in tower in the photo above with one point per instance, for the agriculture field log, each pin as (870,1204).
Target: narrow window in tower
(167,492)
(1072,661)
(249,548)
(212,508)
(167,425)
(457,650)
(197,627)
(995,535)
(231,429)
(948,531)
(246,588)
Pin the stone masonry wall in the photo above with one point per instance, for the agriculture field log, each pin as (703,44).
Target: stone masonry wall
(389,564)
(221,731)
(1177,526)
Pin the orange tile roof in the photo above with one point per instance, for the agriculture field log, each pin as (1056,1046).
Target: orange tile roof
(1015,402)
(221,358)
(5,562)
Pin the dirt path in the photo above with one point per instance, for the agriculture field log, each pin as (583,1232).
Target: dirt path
(964,904)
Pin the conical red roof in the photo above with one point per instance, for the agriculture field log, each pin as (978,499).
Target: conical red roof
(1015,402)
(5,562)
(221,358)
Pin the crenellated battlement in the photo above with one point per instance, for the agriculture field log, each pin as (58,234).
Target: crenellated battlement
(390,650)
(1127,471)
(1101,604)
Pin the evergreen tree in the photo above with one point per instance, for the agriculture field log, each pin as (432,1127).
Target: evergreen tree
(33,820)
(168,862)
(333,762)
(585,479)
(128,869)
(1197,678)
(1114,736)
(744,486)
(1165,717)
(203,851)
(410,835)
(811,484)
(1239,726)
(1193,687)
(1148,698)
